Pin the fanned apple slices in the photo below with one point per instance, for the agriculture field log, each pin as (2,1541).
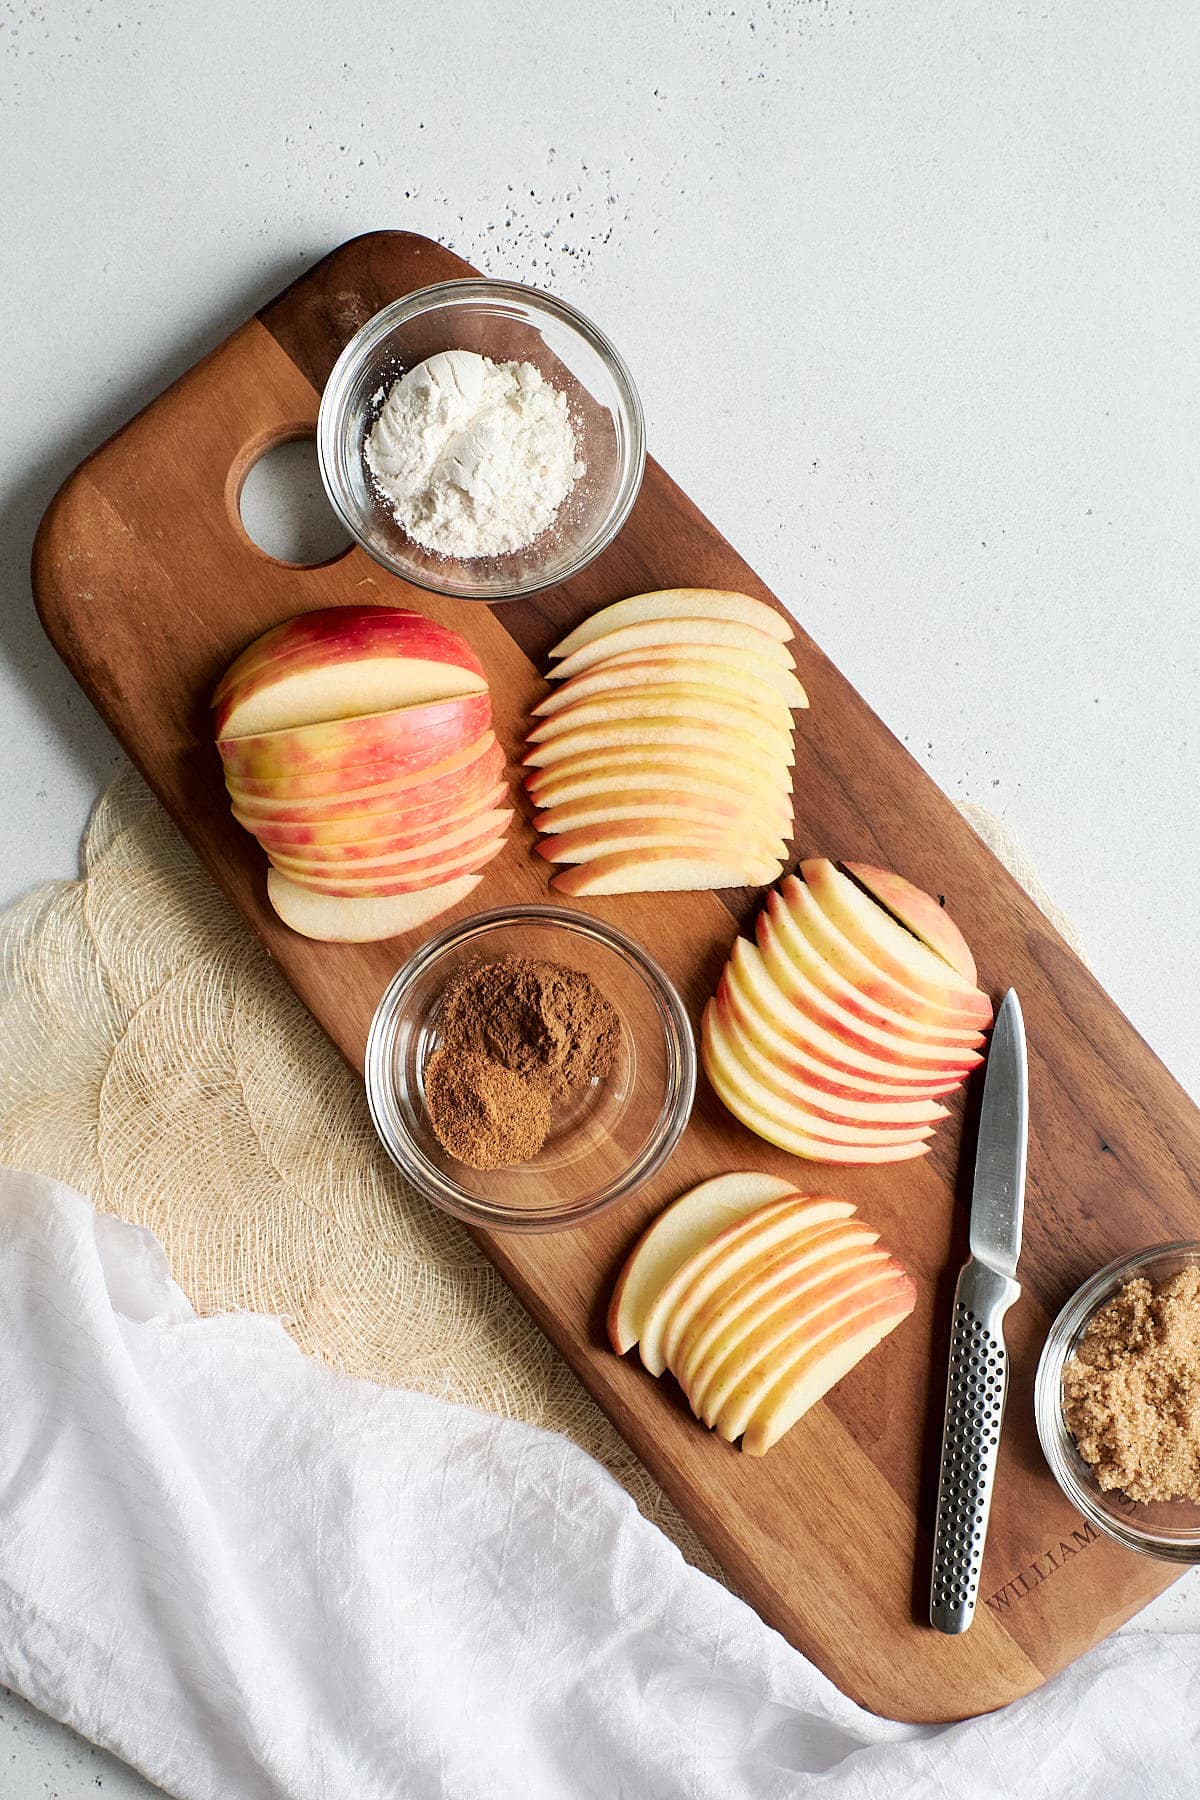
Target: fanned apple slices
(358,750)
(757,1299)
(837,1033)
(663,759)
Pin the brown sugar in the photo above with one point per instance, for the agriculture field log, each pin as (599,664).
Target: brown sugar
(1131,1392)
(517,1037)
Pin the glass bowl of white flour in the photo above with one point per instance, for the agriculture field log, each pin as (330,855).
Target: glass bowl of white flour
(481,439)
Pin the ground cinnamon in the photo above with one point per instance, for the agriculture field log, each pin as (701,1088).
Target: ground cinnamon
(516,1038)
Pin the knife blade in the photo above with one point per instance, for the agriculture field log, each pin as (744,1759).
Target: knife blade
(977,1381)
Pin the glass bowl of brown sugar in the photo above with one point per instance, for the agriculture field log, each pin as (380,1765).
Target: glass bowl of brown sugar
(1117,1401)
(529,1067)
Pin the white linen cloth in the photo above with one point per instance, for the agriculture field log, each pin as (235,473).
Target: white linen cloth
(255,1579)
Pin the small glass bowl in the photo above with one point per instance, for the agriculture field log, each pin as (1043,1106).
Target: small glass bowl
(509,323)
(1166,1528)
(615,1134)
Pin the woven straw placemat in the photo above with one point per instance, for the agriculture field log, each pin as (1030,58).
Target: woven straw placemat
(152,1056)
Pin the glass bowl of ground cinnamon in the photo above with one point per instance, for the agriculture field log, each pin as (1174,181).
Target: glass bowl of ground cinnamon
(1117,1398)
(529,1067)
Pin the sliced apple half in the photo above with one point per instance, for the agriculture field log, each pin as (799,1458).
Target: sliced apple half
(806,997)
(751,1294)
(655,634)
(415,876)
(407,738)
(822,1097)
(812,1375)
(675,1302)
(887,943)
(919,913)
(677,1233)
(838,953)
(339,920)
(759,684)
(683,836)
(660,872)
(347,633)
(459,777)
(731,1078)
(678,603)
(805,1313)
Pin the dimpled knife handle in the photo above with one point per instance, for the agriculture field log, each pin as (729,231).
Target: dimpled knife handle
(975,1395)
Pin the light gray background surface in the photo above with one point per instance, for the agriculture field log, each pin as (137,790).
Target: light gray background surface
(911,293)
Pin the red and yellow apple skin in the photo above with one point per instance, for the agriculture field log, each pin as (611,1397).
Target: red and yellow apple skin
(358,749)
(456,780)
(756,1309)
(342,665)
(838,1031)
(919,913)
(405,739)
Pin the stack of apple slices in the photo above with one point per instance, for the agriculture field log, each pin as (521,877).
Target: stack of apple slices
(757,1299)
(838,1033)
(663,760)
(358,750)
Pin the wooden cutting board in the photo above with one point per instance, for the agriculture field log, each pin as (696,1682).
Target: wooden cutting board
(148,586)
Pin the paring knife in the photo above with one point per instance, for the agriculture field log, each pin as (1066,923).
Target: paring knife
(978,1379)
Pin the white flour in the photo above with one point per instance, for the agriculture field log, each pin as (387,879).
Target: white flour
(474,457)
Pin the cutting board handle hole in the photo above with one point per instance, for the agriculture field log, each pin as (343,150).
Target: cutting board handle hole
(278,501)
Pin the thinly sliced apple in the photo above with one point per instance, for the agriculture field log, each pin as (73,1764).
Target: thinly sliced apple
(802,1143)
(748,976)
(408,738)
(677,1233)
(919,913)
(377,676)
(712,657)
(660,872)
(812,1377)
(791,1060)
(887,943)
(840,1293)
(366,828)
(823,1326)
(636,769)
(673,700)
(334,920)
(772,752)
(680,737)
(751,1293)
(459,778)
(821,1097)
(678,603)
(679,836)
(763,682)
(729,1076)
(863,1034)
(685,1289)
(656,634)
(378,856)
(828,957)
(415,877)
(711,810)
(347,634)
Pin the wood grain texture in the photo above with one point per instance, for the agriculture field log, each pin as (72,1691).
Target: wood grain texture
(148,587)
